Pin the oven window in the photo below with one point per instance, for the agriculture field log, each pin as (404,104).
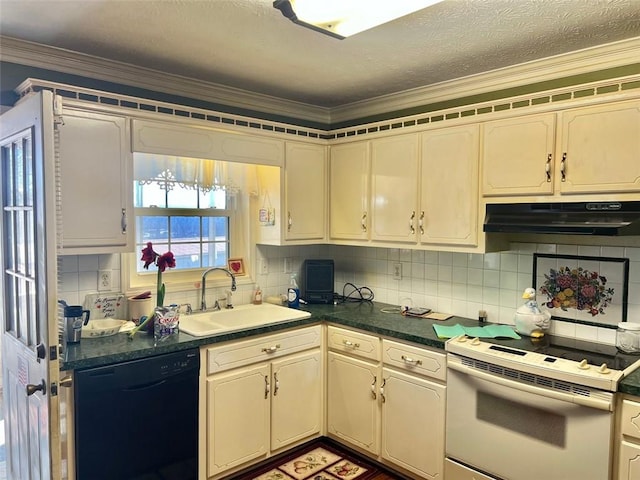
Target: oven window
(529,421)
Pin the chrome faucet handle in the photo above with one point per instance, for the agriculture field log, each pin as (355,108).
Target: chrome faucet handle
(188,309)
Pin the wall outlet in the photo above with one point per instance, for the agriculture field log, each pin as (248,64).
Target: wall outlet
(104,280)
(288,267)
(263,266)
(397,271)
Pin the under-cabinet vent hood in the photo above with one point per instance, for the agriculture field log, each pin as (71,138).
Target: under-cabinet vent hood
(576,218)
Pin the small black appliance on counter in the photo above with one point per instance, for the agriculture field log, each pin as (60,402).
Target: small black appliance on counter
(317,281)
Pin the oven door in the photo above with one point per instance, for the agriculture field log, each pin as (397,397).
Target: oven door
(518,431)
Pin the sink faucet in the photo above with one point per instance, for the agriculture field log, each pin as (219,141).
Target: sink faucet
(203,303)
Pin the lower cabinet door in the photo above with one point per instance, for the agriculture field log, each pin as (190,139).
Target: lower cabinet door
(629,463)
(237,417)
(413,412)
(296,394)
(352,401)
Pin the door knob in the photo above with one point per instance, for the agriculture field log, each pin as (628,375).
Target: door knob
(42,387)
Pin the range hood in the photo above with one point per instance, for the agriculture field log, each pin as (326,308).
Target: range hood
(576,218)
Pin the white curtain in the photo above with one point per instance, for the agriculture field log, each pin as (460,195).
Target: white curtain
(187,172)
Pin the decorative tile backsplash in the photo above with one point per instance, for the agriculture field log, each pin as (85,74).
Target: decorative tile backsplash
(456,283)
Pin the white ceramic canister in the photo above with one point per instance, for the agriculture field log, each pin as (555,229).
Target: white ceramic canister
(628,337)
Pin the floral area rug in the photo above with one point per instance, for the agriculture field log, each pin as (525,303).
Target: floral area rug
(318,461)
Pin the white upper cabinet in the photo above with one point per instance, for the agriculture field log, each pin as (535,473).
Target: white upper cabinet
(449,186)
(517,156)
(394,188)
(600,149)
(305,191)
(298,193)
(349,191)
(424,189)
(590,150)
(96,189)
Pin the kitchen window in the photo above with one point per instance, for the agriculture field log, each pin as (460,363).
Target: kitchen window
(189,207)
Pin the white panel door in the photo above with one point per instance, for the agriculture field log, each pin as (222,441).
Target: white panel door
(296,407)
(305,181)
(238,417)
(449,192)
(353,411)
(600,149)
(28,310)
(413,411)
(349,191)
(394,188)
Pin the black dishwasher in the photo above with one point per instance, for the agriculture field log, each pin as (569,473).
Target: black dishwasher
(138,419)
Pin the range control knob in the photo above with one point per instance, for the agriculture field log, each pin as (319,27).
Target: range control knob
(604,369)
(583,365)
(475,341)
(462,338)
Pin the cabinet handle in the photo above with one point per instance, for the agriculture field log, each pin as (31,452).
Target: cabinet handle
(413,215)
(411,361)
(123,221)
(267,387)
(384,382)
(421,223)
(373,388)
(547,168)
(276,387)
(563,166)
(363,222)
(272,349)
(349,344)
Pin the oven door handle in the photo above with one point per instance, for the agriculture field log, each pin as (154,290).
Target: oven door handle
(599,403)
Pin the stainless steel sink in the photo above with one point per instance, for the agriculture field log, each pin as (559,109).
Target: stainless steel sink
(238,318)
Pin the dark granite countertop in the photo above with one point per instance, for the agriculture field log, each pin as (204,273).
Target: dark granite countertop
(364,316)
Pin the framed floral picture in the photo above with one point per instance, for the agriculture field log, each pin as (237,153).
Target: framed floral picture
(588,290)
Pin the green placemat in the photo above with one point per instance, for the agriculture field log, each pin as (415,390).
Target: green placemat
(488,331)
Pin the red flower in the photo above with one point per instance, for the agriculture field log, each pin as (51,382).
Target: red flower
(149,256)
(166,260)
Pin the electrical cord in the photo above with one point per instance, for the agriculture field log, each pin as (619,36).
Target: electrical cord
(357,294)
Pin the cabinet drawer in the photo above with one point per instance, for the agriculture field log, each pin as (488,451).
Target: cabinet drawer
(414,359)
(244,352)
(630,418)
(455,471)
(353,343)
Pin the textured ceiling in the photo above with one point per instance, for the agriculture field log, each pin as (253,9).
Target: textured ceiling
(249,45)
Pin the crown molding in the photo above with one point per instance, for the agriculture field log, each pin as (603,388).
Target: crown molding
(593,59)
(74,63)
(574,63)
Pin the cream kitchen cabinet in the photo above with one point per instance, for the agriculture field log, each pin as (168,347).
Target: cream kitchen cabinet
(353,374)
(387,399)
(587,150)
(599,149)
(349,184)
(517,155)
(413,397)
(394,188)
(628,447)
(95,175)
(298,192)
(252,392)
(449,186)
(423,189)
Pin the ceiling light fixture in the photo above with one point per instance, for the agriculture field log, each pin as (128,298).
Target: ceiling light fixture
(342,18)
